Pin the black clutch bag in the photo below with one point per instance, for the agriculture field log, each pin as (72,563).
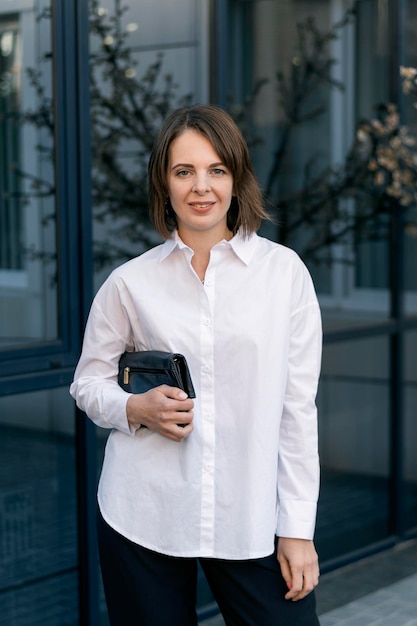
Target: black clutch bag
(141,371)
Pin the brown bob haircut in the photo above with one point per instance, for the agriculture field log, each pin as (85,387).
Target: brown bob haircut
(247,209)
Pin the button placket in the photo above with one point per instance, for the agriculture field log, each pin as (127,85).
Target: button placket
(207,408)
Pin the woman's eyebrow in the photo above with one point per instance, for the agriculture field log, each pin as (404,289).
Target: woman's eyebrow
(190,165)
(181,165)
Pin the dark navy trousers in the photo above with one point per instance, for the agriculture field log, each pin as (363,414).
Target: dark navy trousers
(145,588)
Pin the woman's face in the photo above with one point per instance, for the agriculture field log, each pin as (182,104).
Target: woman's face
(200,186)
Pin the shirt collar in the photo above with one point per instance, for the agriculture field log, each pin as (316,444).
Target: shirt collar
(169,246)
(243,247)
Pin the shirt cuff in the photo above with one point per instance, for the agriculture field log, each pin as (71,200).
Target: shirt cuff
(297,519)
(116,411)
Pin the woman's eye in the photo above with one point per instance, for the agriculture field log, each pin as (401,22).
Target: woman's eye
(218,171)
(182,173)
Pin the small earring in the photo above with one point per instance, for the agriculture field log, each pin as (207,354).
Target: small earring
(169,212)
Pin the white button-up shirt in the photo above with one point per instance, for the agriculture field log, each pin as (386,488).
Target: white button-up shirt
(252,338)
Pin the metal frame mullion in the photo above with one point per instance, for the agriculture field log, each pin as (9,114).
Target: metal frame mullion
(220,83)
(71,39)
(85,429)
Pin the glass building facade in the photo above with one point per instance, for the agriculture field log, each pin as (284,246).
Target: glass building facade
(316,88)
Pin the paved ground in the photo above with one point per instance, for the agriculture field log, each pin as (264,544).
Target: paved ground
(378,591)
(395,605)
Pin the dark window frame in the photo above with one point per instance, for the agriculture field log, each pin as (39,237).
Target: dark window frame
(50,364)
(10,217)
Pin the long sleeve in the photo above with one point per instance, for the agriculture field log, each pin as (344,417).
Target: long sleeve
(298,463)
(106,337)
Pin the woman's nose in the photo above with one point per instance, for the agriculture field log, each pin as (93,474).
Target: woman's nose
(201,184)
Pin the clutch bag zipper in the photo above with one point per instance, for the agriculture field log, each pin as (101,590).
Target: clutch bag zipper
(149,370)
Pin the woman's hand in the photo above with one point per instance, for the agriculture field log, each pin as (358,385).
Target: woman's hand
(165,410)
(299,566)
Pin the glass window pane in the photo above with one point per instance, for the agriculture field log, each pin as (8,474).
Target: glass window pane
(10,214)
(300,97)
(157,66)
(410,277)
(410,434)
(353,406)
(28,291)
(372,87)
(411,59)
(38,526)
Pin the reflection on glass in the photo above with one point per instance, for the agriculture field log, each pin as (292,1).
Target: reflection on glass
(27,198)
(140,69)
(410,278)
(38,529)
(410,262)
(354,448)
(306,150)
(411,57)
(291,131)
(357,312)
(410,435)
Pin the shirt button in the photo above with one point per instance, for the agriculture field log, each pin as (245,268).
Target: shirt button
(207,416)
(206,322)
(208,467)
(206,369)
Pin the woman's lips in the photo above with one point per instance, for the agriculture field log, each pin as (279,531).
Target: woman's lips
(201,206)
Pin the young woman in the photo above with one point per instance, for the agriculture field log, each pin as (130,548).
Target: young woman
(235,486)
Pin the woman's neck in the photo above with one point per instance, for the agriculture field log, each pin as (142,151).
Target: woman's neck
(201,243)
